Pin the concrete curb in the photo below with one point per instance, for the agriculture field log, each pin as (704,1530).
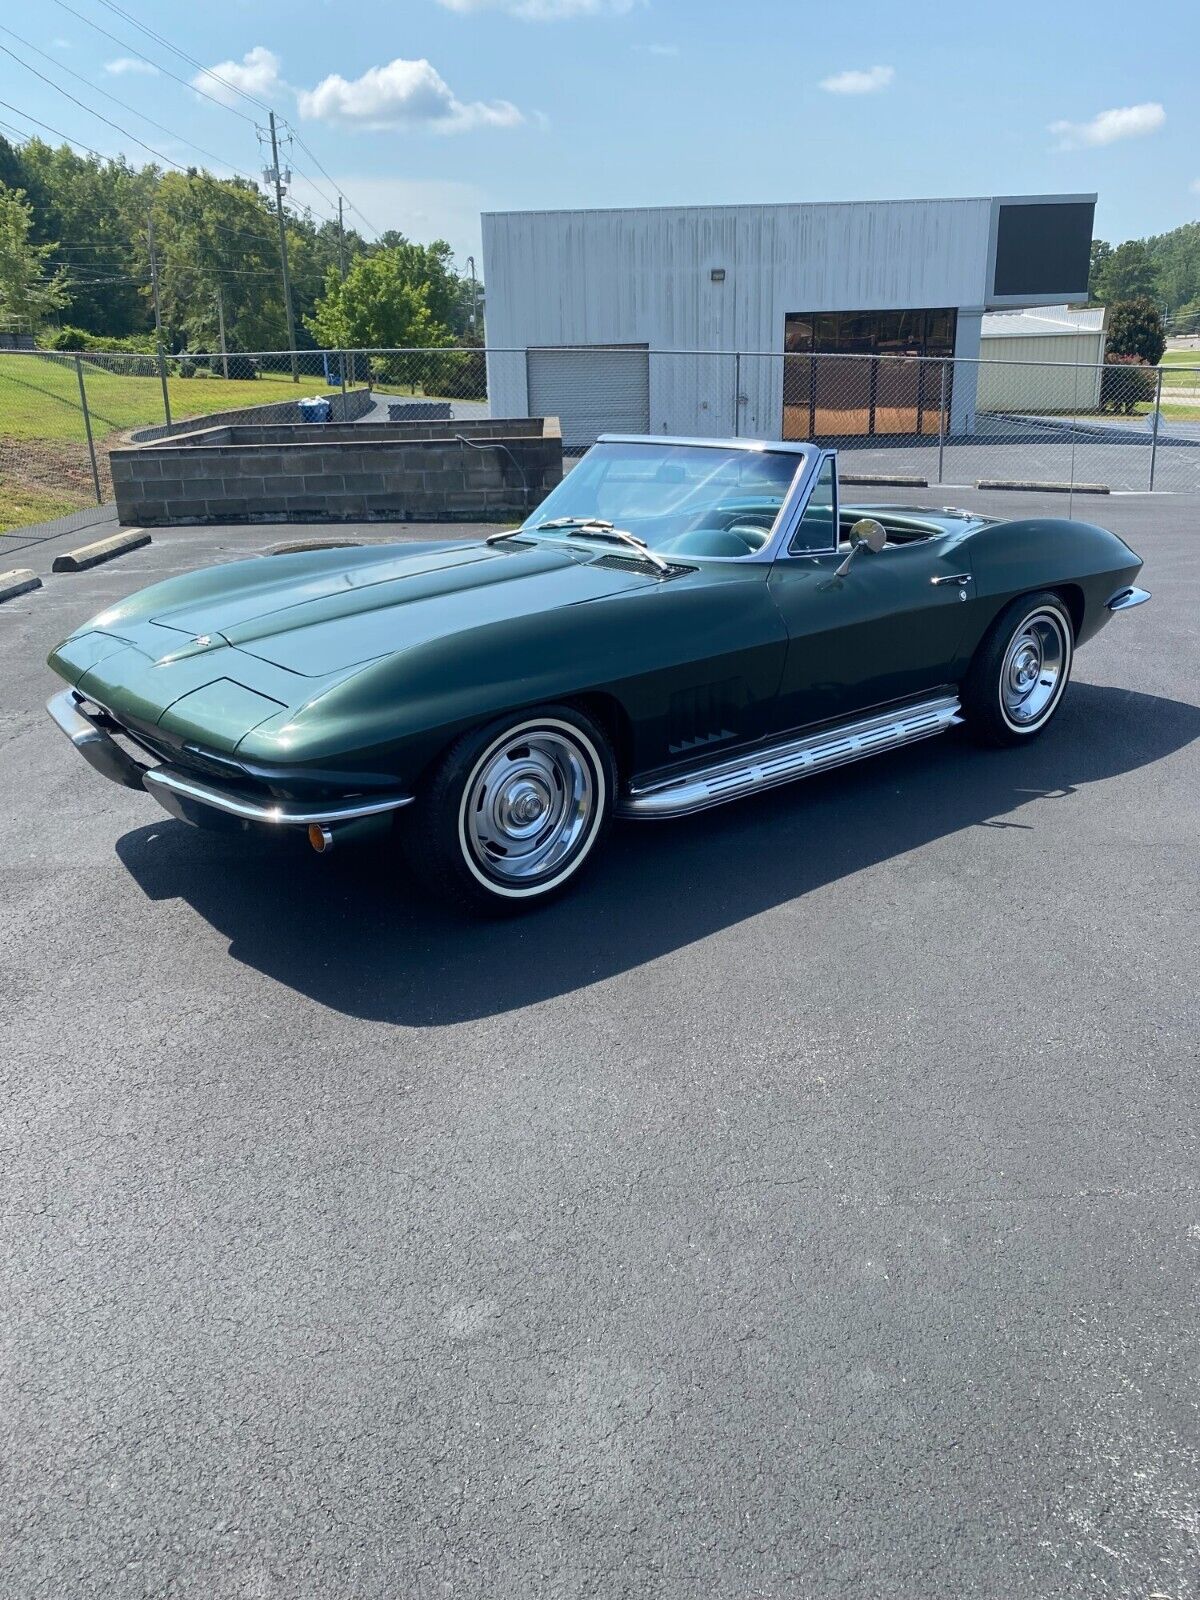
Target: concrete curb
(895,480)
(91,555)
(19,581)
(1042,488)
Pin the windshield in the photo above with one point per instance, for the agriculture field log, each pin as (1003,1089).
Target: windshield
(680,499)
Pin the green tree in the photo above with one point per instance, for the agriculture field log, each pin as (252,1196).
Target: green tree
(93,209)
(433,265)
(211,235)
(30,288)
(1135,329)
(1176,258)
(1100,257)
(381,304)
(1127,274)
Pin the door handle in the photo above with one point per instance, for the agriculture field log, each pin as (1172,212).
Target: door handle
(954,577)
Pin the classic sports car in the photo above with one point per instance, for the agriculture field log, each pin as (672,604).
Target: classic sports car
(681,622)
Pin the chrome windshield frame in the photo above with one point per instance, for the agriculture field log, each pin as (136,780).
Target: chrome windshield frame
(809,460)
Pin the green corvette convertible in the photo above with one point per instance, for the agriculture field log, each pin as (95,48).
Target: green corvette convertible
(682,622)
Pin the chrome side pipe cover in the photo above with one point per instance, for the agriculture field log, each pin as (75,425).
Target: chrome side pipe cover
(798,758)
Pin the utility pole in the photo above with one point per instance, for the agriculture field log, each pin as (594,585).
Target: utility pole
(474,297)
(158,338)
(341,241)
(221,326)
(277,179)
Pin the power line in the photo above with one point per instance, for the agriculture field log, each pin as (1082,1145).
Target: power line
(78,143)
(90,110)
(167,45)
(95,87)
(226,83)
(157,65)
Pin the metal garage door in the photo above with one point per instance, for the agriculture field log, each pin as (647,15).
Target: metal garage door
(591,391)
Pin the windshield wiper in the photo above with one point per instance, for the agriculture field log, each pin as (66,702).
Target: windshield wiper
(593,528)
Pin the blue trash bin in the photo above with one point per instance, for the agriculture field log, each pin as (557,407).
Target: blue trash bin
(316,409)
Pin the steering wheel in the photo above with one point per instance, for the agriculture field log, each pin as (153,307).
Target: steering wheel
(713,542)
(754,536)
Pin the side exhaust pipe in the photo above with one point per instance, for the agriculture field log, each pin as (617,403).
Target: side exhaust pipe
(321,835)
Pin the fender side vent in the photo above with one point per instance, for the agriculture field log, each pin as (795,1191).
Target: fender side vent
(705,715)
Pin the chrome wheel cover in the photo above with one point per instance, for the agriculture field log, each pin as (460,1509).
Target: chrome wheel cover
(1034,672)
(531,807)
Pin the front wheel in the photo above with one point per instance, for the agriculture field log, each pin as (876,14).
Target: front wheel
(1016,681)
(514,811)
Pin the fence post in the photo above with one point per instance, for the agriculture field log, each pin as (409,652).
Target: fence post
(1154,429)
(162,378)
(341,355)
(87,423)
(942,425)
(737,394)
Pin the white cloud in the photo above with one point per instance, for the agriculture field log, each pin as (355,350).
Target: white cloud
(661,49)
(1124,122)
(1195,186)
(544,10)
(257,73)
(858,81)
(60,43)
(127,64)
(402,94)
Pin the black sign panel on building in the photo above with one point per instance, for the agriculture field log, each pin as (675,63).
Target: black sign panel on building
(1043,249)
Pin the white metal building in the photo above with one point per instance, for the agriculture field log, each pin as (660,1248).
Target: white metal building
(586,307)
(1070,337)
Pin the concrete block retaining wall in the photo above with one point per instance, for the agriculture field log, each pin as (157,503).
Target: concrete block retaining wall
(367,472)
(346,408)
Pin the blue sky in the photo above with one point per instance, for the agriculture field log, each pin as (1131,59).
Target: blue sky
(426,112)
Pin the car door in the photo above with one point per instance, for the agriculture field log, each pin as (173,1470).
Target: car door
(889,629)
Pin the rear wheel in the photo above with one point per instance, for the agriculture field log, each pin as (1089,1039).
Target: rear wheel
(515,810)
(1016,682)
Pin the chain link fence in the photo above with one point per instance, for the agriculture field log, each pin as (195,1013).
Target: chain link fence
(949,422)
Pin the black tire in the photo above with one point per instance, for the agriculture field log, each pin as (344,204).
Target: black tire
(514,811)
(1020,672)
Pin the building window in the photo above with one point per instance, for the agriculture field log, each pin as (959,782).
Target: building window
(865,372)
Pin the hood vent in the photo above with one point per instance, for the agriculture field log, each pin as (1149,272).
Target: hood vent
(636,564)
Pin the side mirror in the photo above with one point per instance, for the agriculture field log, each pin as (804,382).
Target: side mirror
(868,533)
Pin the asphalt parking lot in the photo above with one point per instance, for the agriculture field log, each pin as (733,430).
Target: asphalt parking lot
(807,1206)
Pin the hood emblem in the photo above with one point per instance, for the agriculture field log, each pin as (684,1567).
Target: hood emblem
(202,639)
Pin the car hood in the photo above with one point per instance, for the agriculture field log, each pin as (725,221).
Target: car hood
(213,654)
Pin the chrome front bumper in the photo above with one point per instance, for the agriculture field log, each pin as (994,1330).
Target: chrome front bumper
(181,794)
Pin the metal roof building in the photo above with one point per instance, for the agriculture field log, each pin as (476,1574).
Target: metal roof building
(588,311)
(1066,343)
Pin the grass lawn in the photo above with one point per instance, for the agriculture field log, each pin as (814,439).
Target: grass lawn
(1173,378)
(21,505)
(39,398)
(44,466)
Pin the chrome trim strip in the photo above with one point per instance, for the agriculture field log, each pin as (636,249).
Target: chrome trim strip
(798,758)
(165,784)
(1126,599)
(789,447)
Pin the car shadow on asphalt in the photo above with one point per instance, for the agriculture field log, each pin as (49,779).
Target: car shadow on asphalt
(366,943)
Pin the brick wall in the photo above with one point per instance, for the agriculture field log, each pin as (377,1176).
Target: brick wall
(368,472)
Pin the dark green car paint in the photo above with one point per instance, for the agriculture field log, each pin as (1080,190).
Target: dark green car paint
(344,671)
